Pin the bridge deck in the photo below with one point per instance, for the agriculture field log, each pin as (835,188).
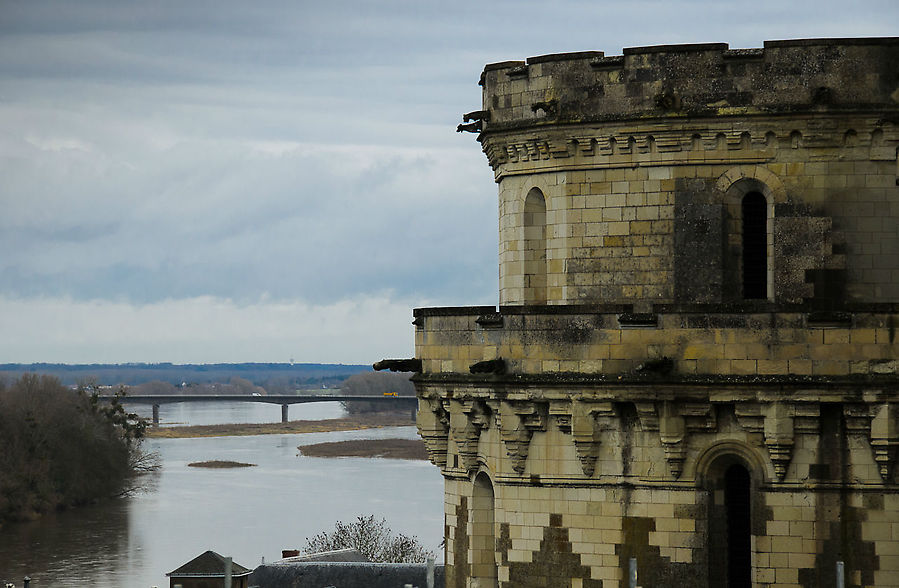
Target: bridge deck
(284,400)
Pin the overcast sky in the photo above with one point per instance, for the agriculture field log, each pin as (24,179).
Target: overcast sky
(228,181)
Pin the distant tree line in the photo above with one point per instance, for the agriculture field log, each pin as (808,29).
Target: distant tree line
(376,384)
(236,386)
(61,448)
(274,377)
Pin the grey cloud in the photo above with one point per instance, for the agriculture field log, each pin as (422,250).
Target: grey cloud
(299,150)
(318,225)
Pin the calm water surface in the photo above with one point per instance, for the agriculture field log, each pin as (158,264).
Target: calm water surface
(248,513)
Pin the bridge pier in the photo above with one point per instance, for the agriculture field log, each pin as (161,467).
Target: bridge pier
(284,413)
(155,415)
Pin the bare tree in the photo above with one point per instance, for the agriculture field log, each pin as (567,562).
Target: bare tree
(373,539)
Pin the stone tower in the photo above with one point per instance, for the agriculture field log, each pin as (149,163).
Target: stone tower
(694,365)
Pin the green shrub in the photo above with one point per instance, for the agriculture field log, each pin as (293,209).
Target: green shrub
(62,447)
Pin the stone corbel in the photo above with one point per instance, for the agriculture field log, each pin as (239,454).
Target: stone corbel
(806,418)
(467,419)
(673,433)
(433,426)
(699,417)
(858,419)
(519,420)
(588,422)
(779,436)
(750,417)
(478,413)
(885,437)
(561,414)
(649,418)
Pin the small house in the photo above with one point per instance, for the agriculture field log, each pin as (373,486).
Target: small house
(208,571)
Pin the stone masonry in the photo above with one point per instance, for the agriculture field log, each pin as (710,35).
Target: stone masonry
(694,364)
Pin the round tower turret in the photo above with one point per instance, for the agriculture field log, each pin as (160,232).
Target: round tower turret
(697,173)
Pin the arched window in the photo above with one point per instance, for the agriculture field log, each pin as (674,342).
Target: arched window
(755,246)
(730,473)
(483,535)
(534,254)
(737,503)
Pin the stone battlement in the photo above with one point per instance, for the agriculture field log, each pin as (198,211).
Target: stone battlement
(701,80)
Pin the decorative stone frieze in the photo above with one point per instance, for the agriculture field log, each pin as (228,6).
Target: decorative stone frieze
(467,419)
(672,434)
(779,436)
(589,421)
(561,414)
(433,426)
(519,420)
(885,437)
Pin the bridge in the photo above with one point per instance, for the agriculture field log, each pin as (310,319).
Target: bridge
(285,400)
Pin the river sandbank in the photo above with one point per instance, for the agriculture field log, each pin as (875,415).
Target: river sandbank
(220,464)
(386,448)
(349,423)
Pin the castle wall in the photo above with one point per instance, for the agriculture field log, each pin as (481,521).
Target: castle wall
(694,365)
(614,216)
(556,523)
(588,535)
(700,341)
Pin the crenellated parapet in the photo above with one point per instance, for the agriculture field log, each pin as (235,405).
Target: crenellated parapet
(692,81)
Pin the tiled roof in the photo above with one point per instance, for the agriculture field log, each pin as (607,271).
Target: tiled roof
(208,565)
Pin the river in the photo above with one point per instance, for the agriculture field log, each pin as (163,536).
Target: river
(247,513)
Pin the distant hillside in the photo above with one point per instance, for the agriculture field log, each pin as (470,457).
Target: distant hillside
(269,375)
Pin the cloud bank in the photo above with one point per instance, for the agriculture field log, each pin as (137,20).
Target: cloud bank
(205,329)
(277,161)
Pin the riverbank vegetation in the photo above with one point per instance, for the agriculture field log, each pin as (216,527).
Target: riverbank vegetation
(61,448)
(386,448)
(351,423)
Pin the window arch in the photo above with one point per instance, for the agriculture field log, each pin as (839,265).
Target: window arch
(755,246)
(738,531)
(483,535)
(534,250)
(760,190)
(731,473)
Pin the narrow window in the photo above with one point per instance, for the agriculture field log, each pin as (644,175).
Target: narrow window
(739,548)
(535,248)
(483,537)
(755,246)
